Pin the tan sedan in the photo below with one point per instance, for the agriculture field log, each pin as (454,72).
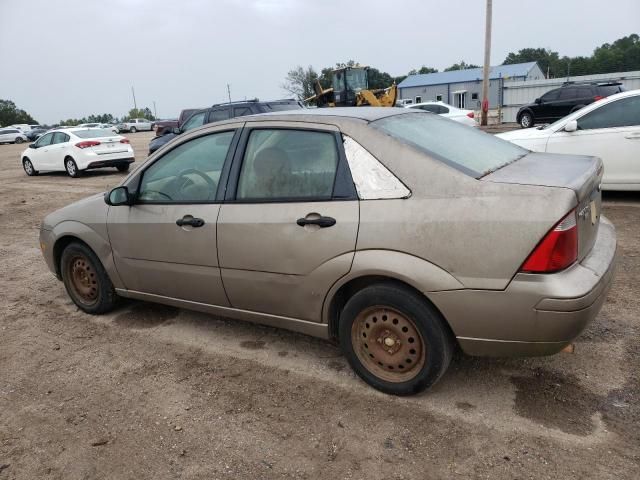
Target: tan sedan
(399,234)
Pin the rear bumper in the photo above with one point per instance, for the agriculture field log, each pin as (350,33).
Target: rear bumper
(110,163)
(536,314)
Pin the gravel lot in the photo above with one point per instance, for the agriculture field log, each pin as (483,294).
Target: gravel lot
(155,392)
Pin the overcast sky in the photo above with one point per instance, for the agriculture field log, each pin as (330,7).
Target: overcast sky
(71,58)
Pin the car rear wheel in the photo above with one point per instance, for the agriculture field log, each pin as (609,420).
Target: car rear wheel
(19,140)
(394,339)
(28,167)
(71,167)
(123,167)
(133,130)
(86,280)
(526,120)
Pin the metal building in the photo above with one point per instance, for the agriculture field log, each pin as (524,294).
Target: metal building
(463,88)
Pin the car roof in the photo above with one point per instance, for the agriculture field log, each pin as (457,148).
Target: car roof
(328,115)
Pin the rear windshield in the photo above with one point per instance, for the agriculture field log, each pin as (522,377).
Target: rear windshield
(93,133)
(278,107)
(465,148)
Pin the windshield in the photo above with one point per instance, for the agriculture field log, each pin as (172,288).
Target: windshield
(93,133)
(356,80)
(465,148)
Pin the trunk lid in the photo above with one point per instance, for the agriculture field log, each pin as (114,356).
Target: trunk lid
(582,174)
(109,145)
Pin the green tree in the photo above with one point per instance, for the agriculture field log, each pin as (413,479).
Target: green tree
(422,70)
(461,66)
(299,82)
(10,114)
(141,113)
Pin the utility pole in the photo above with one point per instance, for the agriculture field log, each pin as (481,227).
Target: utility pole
(229,92)
(133,92)
(487,66)
(155,112)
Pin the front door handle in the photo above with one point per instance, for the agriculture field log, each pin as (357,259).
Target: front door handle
(322,222)
(190,220)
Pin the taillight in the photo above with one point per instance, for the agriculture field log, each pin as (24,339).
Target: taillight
(87,144)
(557,250)
(125,140)
(597,97)
(470,115)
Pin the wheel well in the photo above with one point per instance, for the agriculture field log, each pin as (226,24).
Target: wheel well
(523,112)
(59,247)
(346,291)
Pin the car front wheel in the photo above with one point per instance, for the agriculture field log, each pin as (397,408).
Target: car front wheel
(123,168)
(133,130)
(86,280)
(394,339)
(28,167)
(19,140)
(526,120)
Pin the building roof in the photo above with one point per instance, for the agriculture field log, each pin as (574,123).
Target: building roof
(468,75)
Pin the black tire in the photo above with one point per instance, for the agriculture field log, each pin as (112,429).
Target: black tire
(133,130)
(28,167)
(71,167)
(526,120)
(123,168)
(79,263)
(436,341)
(576,108)
(19,140)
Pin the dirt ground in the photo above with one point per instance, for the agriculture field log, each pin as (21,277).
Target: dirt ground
(155,392)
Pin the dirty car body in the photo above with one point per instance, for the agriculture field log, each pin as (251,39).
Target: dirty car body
(399,233)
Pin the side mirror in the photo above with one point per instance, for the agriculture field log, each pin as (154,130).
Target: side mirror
(32,145)
(571,126)
(538,101)
(118,196)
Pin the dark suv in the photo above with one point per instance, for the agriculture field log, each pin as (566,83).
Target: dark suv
(224,111)
(562,101)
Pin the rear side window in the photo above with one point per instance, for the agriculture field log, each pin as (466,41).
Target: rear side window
(466,149)
(240,111)
(288,165)
(606,90)
(60,137)
(569,93)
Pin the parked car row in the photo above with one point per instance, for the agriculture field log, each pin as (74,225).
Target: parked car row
(12,135)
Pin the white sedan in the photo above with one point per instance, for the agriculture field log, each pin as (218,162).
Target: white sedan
(458,114)
(77,149)
(608,128)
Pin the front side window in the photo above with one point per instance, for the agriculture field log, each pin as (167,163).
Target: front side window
(430,108)
(621,113)
(219,115)
(284,164)
(568,93)
(44,140)
(196,120)
(240,111)
(466,149)
(187,174)
(550,96)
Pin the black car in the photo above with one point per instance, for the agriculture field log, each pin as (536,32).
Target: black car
(560,102)
(224,111)
(35,133)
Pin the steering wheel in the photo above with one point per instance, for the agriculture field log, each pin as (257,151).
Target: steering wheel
(182,179)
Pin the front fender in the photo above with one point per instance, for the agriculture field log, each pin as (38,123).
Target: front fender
(69,229)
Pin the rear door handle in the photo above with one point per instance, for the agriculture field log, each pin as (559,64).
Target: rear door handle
(322,222)
(189,220)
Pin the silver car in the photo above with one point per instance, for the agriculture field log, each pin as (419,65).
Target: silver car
(397,233)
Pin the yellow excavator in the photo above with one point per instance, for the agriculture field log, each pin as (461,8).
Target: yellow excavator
(350,88)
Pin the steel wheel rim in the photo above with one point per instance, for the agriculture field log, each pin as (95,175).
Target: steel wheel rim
(388,344)
(83,279)
(28,167)
(526,121)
